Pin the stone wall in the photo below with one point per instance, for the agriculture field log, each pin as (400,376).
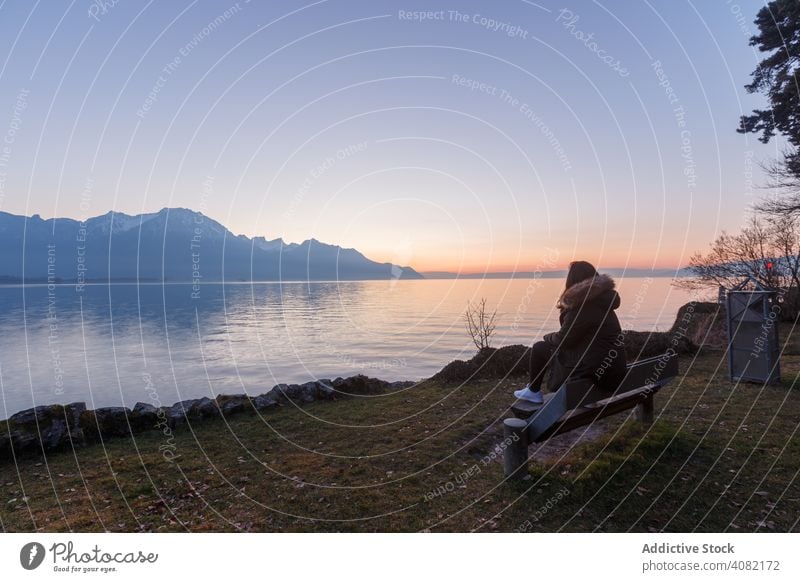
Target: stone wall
(56,427)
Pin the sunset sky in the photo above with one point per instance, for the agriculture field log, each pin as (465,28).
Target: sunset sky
(485,136)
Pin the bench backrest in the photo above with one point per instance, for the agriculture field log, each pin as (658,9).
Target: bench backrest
(653,372)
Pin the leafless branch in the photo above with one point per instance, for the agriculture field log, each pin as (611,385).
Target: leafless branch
(480,325)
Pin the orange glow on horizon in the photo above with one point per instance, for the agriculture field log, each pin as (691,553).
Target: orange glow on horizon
(534,265)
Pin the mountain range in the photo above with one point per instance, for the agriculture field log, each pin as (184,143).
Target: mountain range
(173,244)
(181,245)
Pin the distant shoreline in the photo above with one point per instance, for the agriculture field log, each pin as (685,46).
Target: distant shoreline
(443,276)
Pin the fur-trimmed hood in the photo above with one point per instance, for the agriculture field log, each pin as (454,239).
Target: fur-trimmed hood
(600,289)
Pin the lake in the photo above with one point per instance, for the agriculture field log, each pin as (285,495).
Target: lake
(111,345)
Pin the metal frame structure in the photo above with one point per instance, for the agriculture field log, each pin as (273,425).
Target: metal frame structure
(753,347)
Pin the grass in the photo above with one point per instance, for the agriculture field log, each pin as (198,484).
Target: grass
(718,458)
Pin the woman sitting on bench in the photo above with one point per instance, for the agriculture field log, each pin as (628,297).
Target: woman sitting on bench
(588,345)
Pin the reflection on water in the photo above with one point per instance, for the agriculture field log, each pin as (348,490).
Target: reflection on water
(119,344)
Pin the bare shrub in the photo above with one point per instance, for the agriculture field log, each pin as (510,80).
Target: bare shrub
(479,323)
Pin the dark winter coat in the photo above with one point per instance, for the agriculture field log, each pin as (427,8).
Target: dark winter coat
(589,343)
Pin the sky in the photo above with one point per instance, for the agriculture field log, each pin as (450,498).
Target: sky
(445,135)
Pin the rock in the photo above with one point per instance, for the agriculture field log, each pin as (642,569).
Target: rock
(106,422)
(360,385)
(265,401)
(73,413)
(47,427)
(279,391)
(88,424)
(325,390)
(144,416)
(27,416)
(187,407)
(233,403)
(207,408)
(179,413)
(77,437)
(232,407)
(175,417)
(30,417)
(299,393)
(488,363)
(113,420)
(308,392)
(144,409)
(510,360)
(402,384)
(456,371)
(643,344)
(292,391)
(5,446)
(304,393)
(56,435)
(24,442)
(196,408)
(703,324)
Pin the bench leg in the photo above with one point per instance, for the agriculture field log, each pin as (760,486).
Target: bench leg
(515,455)
(644,410)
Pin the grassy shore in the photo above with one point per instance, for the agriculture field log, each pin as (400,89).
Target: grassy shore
(718,458)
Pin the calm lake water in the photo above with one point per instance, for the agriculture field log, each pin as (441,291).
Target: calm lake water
(112,345)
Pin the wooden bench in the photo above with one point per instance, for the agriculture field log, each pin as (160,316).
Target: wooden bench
(578,403)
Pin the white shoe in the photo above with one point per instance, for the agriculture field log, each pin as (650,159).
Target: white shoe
(529,395)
